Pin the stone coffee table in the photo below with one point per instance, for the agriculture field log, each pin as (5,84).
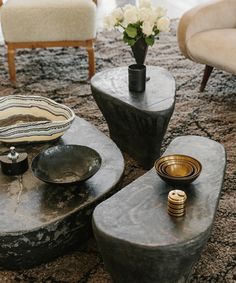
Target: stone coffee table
(139,241)
(46,220)
(137,121)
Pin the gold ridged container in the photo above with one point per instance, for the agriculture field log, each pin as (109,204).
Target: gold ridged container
(176,203)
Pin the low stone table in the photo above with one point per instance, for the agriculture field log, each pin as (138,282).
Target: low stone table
(43,221)
(139,241)
(137,121)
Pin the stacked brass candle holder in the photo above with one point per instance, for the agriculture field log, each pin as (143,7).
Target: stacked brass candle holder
(176,203)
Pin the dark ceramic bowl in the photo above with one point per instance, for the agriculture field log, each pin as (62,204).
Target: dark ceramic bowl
(65,164)
(178,169)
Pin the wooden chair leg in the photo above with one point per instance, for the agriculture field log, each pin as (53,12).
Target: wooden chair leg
(91,58)
(206,75)
(11,63)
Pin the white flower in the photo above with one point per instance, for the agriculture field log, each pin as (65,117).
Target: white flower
(130,16)
(148,20)
(113,19)
(127,7)
(146,14)
(163,24)
(117,14)
(109,22)
(147,28)
(160,12)
(145,3)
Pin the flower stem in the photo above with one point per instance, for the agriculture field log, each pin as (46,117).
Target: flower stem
(121,25)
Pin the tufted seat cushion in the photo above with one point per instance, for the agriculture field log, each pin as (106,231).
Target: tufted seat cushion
(48,20)
(217,46)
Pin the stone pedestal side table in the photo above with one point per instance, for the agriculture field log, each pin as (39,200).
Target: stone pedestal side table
(137,121)
(139,241)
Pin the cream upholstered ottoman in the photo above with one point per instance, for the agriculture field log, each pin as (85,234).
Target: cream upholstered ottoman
(48,23)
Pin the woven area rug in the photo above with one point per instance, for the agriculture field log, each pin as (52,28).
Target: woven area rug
(61,75)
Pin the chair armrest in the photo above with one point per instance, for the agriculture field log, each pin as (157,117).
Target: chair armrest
(216,14)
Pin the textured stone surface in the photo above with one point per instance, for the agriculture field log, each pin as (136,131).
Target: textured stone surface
(61,75)
(44,220)
(147,244)
(137,121)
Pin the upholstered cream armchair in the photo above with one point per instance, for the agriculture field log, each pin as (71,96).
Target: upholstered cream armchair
(207,35)
(48,23)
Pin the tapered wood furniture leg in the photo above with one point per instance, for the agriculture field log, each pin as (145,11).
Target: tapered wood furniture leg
(206,75)
(91,58)
(11,63)
(15,38)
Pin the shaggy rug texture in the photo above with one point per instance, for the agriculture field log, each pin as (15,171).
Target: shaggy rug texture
(61,75)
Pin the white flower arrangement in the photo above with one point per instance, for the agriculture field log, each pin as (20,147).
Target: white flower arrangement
(144,21)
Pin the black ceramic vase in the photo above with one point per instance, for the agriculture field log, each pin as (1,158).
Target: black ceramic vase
(139,50)
(137,77)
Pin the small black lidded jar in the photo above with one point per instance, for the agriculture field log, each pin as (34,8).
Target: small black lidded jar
(14,163)
(137,77)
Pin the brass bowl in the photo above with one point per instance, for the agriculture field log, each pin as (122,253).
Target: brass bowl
(178,169)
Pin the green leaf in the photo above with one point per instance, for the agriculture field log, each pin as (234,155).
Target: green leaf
(136,25)
(156,31)
(131,30)
(125,37)
(150,40)
(130,41)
